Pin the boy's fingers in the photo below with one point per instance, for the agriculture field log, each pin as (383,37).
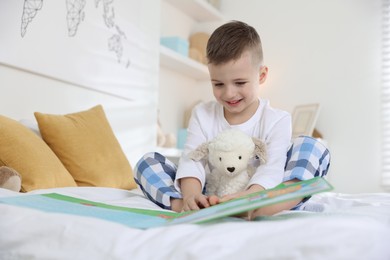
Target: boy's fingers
(213,200)
(190,205)
(194,205)
(204,202)
(227,197)
(199,202)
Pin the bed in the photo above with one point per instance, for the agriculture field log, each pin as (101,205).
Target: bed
(334,226)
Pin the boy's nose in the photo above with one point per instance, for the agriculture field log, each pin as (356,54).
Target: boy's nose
(230,91)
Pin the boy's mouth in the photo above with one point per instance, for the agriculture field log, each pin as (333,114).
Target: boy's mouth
(233,102)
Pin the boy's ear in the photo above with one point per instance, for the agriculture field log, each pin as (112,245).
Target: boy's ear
(263,74)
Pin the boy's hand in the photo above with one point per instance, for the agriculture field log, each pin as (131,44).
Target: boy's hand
(214,200)
(251,189)
(195,202)
(193,199)
(233,196)
(199,201)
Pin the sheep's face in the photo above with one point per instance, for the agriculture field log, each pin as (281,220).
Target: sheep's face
(230,151)
(231,162)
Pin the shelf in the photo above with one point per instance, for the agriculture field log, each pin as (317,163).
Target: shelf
(200,10)
(181,64)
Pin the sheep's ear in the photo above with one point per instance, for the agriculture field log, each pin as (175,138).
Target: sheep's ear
(199,153)
(260,150)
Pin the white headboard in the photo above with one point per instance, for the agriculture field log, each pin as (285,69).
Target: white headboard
(23,93)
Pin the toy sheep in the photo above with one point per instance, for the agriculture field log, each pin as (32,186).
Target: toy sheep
(229,154)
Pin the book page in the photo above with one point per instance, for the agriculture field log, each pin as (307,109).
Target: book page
(146,218)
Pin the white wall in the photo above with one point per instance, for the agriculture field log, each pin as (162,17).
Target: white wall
(317,51)
(25,89)
(326,52)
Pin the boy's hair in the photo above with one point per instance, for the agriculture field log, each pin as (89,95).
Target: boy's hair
(230,40)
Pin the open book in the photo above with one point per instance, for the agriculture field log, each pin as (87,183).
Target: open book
(144,218)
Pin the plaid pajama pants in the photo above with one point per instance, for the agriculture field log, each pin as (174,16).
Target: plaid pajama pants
(306,158)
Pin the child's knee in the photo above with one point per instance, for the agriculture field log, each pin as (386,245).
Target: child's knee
(306,158)
(143,165)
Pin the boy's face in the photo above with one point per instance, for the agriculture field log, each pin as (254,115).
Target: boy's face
(236,86)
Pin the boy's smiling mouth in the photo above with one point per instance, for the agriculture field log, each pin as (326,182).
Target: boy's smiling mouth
(234,102)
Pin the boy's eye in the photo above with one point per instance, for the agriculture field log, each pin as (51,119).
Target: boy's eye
(240,83)
(218,84)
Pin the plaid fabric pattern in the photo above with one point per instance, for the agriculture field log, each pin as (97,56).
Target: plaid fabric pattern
(155,175)
(306,158)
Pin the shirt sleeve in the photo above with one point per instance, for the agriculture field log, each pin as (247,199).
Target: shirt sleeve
(195,137)
(278,141)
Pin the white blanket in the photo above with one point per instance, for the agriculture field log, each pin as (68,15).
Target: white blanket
(338,226)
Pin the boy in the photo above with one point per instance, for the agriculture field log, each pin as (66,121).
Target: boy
(235,63)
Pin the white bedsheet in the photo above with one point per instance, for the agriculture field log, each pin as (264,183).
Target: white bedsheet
(349,227)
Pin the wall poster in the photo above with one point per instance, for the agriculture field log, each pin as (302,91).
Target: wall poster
(106,45)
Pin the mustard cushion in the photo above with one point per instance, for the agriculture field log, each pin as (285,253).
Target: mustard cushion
(28,154)
(88,148)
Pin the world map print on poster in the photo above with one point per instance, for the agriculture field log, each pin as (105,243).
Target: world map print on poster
(89,43)
(75,14)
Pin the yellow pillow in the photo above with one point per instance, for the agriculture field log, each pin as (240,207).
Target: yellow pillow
(22,150)
(87,146)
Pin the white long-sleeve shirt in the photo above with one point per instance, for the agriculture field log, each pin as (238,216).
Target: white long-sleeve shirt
(272,126)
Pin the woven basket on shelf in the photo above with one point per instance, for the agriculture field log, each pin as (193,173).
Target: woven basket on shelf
(198,42)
